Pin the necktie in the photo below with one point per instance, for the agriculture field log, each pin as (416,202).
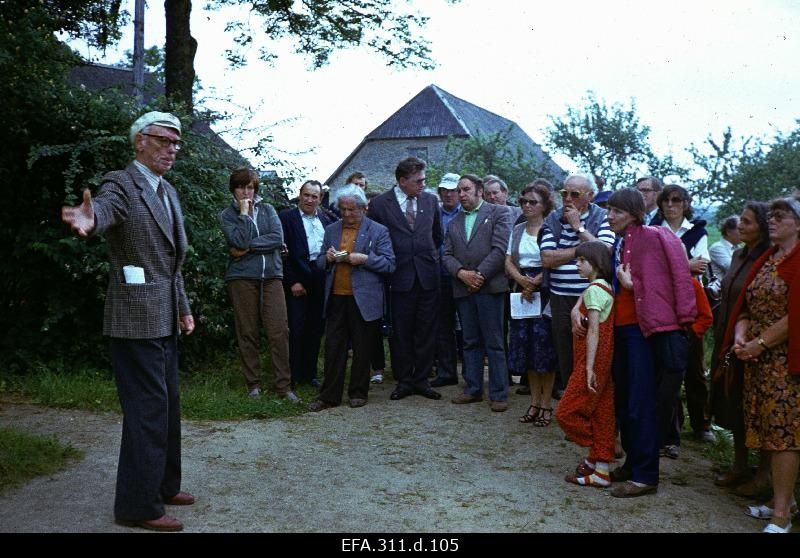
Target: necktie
(162,197)
(410,217)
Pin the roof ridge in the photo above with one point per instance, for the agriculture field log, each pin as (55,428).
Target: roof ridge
(438,90)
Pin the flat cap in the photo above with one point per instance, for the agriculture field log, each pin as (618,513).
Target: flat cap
(164,119)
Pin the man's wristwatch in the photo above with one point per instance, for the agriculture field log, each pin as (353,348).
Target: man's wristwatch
(763,343)
(581,229)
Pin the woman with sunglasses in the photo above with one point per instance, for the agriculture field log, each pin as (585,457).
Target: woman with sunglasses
(759,330)
(675,205)
(531,349)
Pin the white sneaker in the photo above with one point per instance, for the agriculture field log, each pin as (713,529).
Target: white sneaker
(255,393)
(292,396)
(376,378)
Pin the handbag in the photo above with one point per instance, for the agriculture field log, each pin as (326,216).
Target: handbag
(725,370)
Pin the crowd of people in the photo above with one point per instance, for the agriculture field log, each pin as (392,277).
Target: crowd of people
(603,307)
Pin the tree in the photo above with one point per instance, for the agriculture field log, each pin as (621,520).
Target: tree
(179,52)
(753,171)
(96,21)
(494,154)
(318,27)
(608,141)
(58,140)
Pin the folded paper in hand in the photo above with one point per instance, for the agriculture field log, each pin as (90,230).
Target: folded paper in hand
(133,275)
(521,309)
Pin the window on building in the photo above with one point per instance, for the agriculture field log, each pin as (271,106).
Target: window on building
(418,152)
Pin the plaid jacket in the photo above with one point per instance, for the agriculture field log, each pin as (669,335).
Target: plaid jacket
(138,232)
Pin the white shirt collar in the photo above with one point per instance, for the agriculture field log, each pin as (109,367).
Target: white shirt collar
(152,178)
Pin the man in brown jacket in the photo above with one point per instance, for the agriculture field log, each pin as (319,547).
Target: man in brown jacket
(146,307)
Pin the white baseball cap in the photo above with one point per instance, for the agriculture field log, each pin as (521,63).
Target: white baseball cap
(449,181)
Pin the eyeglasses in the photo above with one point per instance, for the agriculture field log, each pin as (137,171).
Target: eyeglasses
(164,141)
(574,194)
(647,190)
(674,199)
(525,201)
(778,214)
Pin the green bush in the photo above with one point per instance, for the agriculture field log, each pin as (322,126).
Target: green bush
(57,141)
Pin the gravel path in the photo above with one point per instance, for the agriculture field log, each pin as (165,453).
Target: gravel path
(393,466)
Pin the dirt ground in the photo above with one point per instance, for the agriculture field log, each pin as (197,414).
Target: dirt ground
(410,466)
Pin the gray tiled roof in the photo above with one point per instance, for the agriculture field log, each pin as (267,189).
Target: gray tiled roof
(98,77)
(434,112)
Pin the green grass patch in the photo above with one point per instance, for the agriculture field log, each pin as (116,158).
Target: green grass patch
(24,456)
(214,391)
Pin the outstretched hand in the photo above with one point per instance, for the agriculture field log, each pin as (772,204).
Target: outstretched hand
(80,218)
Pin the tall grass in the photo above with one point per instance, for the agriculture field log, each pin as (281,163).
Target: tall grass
(24,456)
(213,391)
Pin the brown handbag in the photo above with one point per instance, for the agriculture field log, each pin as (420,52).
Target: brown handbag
(725,370)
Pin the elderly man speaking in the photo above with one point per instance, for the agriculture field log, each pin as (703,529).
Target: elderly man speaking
(146,305)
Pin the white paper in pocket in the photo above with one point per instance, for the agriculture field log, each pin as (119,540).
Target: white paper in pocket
(133,275)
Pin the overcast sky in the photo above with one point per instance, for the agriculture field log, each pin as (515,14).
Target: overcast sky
(692,67)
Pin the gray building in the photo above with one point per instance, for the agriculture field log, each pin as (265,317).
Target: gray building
(421,128)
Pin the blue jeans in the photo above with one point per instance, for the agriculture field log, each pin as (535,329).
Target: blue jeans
(635,398)
(482,325)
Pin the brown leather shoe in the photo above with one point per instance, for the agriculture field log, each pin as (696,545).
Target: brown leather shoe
(180,499)
(165,523)
(620,474)
(499,406)
(463,398)
(630,490)
(357,402)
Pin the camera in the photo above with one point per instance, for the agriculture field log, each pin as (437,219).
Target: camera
(341,255)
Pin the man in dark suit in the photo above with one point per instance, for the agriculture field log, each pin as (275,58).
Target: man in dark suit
(146,306)
(412,217)
(303,283)
(474,254)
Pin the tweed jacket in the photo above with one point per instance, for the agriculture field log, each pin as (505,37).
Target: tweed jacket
(367,280)
(298,266)
(485,250)
(138,232)
(417,250)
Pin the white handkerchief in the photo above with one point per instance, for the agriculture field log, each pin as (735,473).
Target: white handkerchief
(133,275)
(521,309)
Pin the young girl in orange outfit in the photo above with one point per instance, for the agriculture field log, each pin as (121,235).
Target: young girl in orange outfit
(586,412)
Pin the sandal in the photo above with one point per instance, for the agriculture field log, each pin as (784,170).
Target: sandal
(583,470)
(530,416)
(765,512)
(588,480)
(544,418)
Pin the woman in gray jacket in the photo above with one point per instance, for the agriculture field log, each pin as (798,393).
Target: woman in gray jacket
(253,276)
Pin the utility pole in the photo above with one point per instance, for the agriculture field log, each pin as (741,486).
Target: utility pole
(138,52)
